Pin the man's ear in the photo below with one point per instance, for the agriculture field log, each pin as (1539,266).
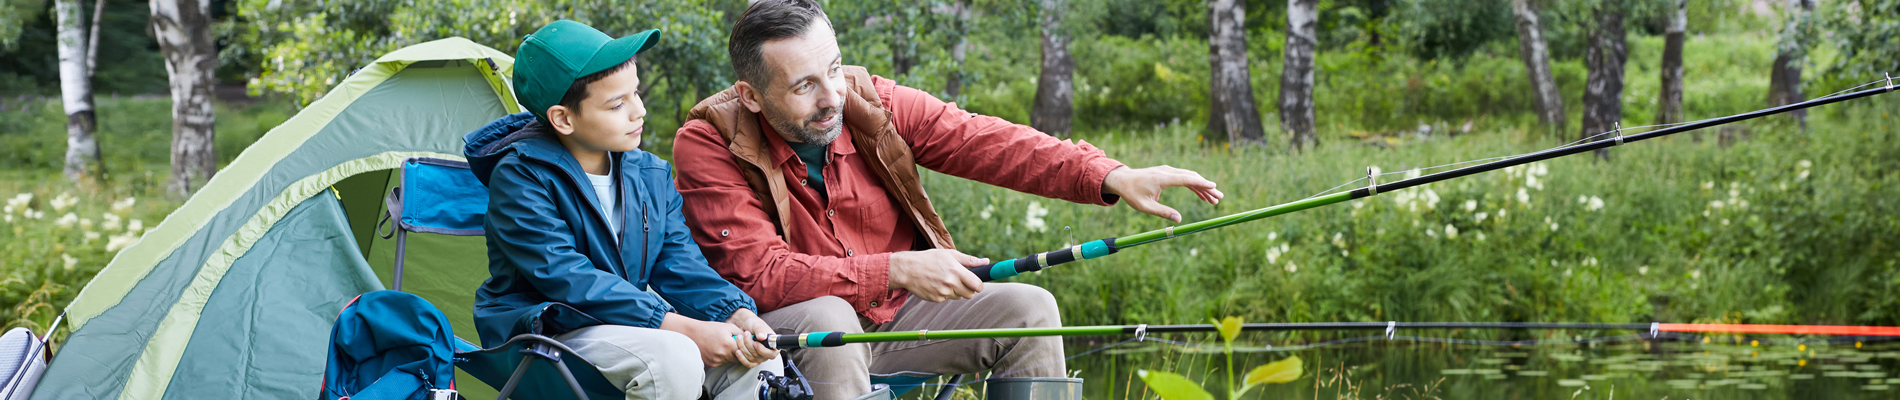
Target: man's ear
(561,119)
(749,96)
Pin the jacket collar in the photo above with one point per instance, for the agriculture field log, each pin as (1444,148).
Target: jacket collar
(781,151)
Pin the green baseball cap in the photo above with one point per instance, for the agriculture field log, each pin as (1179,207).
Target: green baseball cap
(552,58)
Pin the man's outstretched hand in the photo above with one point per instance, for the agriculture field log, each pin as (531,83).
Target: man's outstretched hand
(1142,188)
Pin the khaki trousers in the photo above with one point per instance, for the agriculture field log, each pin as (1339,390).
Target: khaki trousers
(657,364)
(840,373)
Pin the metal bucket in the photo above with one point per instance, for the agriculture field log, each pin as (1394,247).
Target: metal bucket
(1033,388)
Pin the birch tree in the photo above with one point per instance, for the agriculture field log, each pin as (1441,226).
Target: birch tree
(1055,85)
(1535,51)
(1233,117)
(1784,82)
(75,87)
(1669,110)
(1603,87)
(183,30)
(1296,74)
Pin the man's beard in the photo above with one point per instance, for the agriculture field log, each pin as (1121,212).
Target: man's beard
(795,127)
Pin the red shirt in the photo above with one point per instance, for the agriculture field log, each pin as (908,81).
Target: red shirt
(843,248)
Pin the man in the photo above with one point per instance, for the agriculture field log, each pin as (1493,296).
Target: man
(838,235)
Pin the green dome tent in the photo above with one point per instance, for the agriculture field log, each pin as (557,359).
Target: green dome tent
(233,295)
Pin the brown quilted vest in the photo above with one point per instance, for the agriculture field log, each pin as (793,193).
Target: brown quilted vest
(872,131)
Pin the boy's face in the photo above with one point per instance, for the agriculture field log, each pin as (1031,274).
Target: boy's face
(610,119)
(807,87)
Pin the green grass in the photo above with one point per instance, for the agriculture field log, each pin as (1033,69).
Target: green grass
(48,261)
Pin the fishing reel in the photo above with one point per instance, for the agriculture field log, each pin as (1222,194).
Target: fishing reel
(792,386)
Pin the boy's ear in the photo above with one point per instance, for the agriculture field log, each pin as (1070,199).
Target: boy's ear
(749,96)
(561,119)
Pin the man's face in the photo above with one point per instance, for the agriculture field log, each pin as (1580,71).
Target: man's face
(805,93)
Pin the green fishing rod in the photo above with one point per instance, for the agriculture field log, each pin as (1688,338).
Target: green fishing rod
(1105,247)
(1654,329)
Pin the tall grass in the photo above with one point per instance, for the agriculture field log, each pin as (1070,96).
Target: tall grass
(1790,226)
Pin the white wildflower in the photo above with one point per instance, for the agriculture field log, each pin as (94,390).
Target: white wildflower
(1643,270)
(1531,181)
(1742,204)
(1431,199)
(987,209)
(120,242)
(1273,254)
(90,237)
(1271,236)
(1291,267)
(1566,272)
(1732,193)
(1451,232)
(1583,199)
(85,223)
(1553,227)
(123,205)
(1708,185)
(1192,252)
(66,221)
(69,261)
(111,222)
(1033,221)
(1590,261)
(63,202)
(1803,175)
(1500,214)
(20,202)
(1480,216)
(1539,169)
(1523,196)
(1413,173)
(1480,235)
(1804,164)
(1596,204)
(1471,205)
(1431,232)
(1339,239)
(135,227)
(1725,221)
(8,218)
(1716,204)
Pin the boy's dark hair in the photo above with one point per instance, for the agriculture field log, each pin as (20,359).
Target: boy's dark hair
(578,91)
(764,21)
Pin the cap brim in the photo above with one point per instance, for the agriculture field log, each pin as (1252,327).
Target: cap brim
(619,51)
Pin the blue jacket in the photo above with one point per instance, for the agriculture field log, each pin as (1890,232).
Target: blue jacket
(553,263)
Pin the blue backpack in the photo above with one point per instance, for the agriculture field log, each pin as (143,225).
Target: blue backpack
(390,345)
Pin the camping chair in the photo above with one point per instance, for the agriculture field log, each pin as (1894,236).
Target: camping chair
(442,197)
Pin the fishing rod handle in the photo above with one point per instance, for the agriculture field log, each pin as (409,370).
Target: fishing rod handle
(1038,261)
(804,340)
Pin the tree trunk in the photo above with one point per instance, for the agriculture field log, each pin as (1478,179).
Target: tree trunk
(1055,87)
(75,87)
(1234,116)
(903,55)
(1530,41)
(953,86)
(92,40)
(1670,109)
(1603,90)
(1296,72)
(183,29)
(1784,82)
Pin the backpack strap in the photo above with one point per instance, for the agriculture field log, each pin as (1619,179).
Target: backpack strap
(398,385)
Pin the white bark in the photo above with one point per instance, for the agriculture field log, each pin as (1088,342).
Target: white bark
(1296,74)
(1055,87)
(75,89)
(183,29)
(92,45)
(1536,54)
(1603,88)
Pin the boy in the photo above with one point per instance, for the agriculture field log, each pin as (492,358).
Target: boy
(580,222)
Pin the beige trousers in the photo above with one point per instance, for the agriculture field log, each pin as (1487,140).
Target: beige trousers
(845,372)
(657,364)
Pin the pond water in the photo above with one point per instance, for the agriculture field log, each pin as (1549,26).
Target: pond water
(1689,368)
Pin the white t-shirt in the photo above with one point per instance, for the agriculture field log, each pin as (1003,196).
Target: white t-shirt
(604,191)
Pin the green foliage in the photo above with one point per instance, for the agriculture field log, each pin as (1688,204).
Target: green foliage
(14,15)
(1172,386)
(129,60)
(302,49)
(1432,29)
(1867,33)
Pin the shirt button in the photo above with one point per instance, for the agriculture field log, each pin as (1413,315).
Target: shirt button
(724,233)
(829,212)
(873,304)
(801,182)
(848,253)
